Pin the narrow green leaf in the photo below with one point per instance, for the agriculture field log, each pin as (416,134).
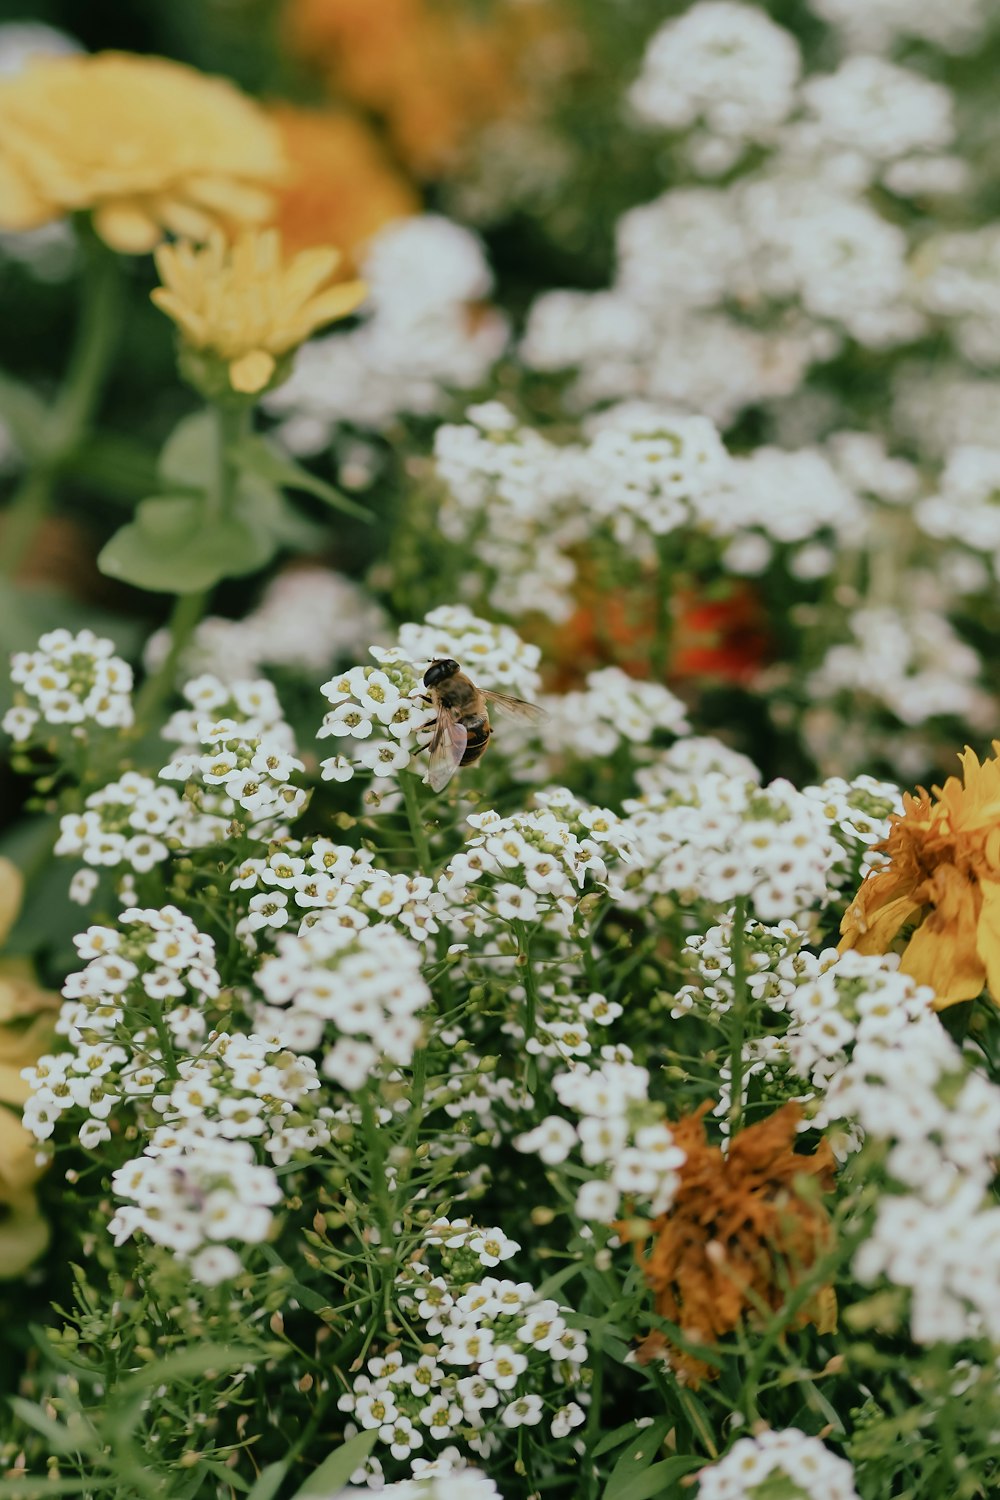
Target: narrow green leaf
(257,456)
(642,1451)
(614,1439)
(56,1434)
(654,1483)
(188,1362)
(38,1488)
(26,415)
(335,1471)
(268,1482)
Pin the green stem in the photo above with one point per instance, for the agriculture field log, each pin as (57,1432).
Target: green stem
(187,611)
(530,988)
(83,385)
(414,817)
(741,997)
(232,425)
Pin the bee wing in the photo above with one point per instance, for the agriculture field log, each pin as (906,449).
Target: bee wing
(447,747)
(516,707)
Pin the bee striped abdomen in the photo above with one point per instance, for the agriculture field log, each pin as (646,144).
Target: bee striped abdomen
(478,727)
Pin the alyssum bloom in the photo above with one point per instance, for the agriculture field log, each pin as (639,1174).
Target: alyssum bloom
(943,881)
(241,308)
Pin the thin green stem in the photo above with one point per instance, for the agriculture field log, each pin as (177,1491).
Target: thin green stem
(414,817)
(232,424)
(82,388)
(739,1013)
(187,611)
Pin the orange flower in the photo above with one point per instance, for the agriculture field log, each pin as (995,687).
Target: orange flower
(943,879)
(431,68)
(341,187)
(741,1231)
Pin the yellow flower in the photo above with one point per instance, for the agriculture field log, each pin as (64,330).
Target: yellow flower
(144,144)
(942,884)
(24,1232)
(246,307)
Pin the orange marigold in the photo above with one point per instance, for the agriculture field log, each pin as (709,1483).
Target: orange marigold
(943,880)
(341,185)
(741,1231)
(432,70)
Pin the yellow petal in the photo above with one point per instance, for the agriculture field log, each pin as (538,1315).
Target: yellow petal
(24,1234)
(127,227)
(251,373)
(11,891)
(943,951)
(988,937)
(336,302)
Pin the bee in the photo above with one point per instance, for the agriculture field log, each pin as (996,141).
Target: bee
(462,729)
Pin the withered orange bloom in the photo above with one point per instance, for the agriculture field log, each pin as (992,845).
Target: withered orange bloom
(740,1233)
(943,880)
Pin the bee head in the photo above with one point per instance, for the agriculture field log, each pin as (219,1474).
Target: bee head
(438,671)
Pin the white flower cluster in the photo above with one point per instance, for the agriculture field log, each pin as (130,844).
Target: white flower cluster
(619,1135)
(364,988)
(435,1480)
(522,504)
(494,1356)
(243,1087)
(877,110)
(241,776)
(506,499)
(966,507)
(809,1470)
(611,710)
(649,471)
(69,680)
(794,500)
(190,1199)
(679,771)
(721,64)
(125,823)
(309,619)
(957,281)
(865,1036)
(252,705)
(912,661)
(733,839)
(773,962)
(332,885)
(382,714)
(534,867)
(879,24)
(159,968)
(859,813)
(425,332)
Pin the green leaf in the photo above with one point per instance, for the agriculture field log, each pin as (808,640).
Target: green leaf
(268,1482)
(57,1435)
(335,1471)
(186,1363)
(26,415)
(613,1439)
(640,1453)
(174,547)
(654,1483)
(39,1489)
(189,458)
(256,455)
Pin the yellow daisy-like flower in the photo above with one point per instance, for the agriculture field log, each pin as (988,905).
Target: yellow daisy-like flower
(942,881)
(245,307)
(145,145)
(25,1033)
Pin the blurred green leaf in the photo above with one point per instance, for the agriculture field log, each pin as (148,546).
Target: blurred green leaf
(174,547)
(268,1482)
(256,455)
(189,456)
(653,1483)
(57,1435)
(26,415)
(336,1470)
